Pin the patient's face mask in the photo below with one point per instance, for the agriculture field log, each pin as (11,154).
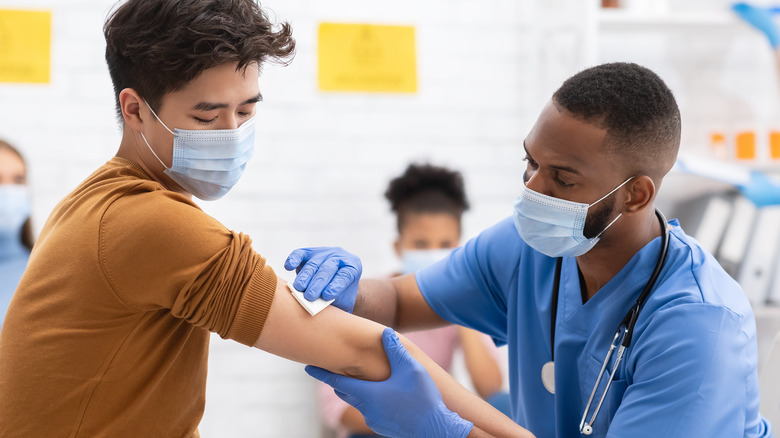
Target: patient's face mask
(555,227)
(14,210)
(412,260)
(208,163)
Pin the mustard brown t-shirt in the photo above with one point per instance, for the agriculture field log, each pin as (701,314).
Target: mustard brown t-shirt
(107,334)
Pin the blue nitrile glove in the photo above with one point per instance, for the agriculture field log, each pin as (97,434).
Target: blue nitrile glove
(408,404)
(761,190)
(761,19)
(329,272)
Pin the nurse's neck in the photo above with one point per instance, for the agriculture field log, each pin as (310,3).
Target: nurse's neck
(615,249)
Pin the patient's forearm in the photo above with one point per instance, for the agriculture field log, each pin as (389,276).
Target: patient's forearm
(487,420)
(333,339)
(479,433)
(352,346)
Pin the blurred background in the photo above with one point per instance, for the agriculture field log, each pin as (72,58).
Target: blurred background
(474,78)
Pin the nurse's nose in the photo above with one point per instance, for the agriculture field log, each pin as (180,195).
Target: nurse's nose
(533,181)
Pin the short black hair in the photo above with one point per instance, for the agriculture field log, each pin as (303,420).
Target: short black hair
(635,107)
(159,46)
(424,188)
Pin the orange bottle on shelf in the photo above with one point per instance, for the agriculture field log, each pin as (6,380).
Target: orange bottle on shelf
(718,146)
(746,145)
(774,145)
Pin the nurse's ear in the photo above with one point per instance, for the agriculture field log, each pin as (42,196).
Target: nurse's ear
(640,194)
(131,103)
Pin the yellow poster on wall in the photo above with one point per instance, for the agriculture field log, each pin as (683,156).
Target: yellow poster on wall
(367,58)
(25,46)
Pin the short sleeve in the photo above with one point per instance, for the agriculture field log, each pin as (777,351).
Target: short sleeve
(693,373)
(159,250)
(470,286)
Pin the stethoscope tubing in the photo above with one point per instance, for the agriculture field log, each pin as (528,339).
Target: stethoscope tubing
(624,332)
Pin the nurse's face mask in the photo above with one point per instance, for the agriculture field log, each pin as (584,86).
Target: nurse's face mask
(555,227)
(208,163)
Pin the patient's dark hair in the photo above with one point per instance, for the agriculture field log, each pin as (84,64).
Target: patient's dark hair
(635,107)
(424,188)
(158,46)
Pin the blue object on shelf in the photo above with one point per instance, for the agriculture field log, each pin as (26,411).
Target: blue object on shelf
(761,190)
(760,18)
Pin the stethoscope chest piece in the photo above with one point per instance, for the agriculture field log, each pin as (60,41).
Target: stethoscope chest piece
(548,376)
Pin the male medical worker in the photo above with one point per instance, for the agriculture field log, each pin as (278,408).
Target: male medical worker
(684,361)
(107,334)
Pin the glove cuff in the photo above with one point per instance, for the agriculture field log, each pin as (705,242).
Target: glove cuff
(451,425)
(463,428)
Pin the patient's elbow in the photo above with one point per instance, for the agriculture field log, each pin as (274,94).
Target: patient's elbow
(368,364)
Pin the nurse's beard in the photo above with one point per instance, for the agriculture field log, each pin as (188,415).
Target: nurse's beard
(599,216)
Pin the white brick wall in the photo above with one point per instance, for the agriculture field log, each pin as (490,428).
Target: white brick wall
(323,160)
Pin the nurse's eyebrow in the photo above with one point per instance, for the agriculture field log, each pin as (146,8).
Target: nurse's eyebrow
(210,106)
(565,169)
(553,166)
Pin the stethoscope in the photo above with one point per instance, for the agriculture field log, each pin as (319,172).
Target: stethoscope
(621,340)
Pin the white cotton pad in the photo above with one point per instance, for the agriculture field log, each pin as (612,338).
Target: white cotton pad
(313,307)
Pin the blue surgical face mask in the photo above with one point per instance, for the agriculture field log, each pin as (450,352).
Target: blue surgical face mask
(208,163)
(412,260)
(14,210)
(555,227)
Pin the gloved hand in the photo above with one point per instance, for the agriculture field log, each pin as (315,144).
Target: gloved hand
(761,19)
(761,190)
(408,404)
(327,272)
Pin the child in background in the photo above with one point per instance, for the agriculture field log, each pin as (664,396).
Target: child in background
(428,202)
(16,239)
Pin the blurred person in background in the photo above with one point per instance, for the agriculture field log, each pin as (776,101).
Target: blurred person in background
(428,202)
(16,237)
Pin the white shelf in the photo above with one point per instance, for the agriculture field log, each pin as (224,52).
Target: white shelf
(617,18)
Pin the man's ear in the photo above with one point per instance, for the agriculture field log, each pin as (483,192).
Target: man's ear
(131,103)
(641,192)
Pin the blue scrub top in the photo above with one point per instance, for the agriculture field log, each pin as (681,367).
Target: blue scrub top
(690,370)
(13,262)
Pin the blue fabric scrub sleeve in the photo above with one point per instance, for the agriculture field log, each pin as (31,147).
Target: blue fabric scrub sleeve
(470,286)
